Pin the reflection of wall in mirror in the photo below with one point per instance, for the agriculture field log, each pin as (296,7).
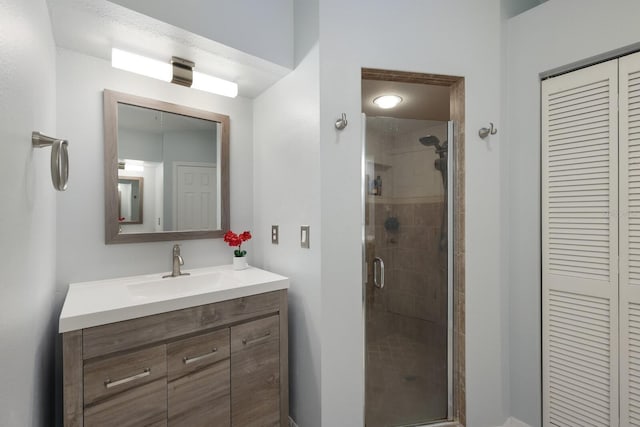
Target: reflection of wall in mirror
(139,145)
(165,148)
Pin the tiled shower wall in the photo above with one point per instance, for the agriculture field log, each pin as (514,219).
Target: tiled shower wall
(416,274)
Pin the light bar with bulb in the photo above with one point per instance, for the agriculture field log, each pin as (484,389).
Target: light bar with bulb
(167,72)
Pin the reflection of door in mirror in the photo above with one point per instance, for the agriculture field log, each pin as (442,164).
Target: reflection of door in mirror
(195,193)
(130,200)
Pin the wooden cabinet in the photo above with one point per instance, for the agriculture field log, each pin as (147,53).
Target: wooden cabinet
(222,364)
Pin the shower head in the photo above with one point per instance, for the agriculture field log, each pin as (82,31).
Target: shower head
(430,140)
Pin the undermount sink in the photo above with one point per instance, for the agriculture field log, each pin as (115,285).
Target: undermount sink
(169,287)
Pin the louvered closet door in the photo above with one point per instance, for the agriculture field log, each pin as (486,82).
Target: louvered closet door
(580,247)
(630,240)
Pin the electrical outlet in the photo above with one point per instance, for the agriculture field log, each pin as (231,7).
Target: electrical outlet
(274,234)
(304,236)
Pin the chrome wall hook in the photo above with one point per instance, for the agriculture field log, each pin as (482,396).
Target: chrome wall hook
(342,122)
(485,132)
(59,158)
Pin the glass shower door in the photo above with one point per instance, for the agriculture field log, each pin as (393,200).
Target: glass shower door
(407,283)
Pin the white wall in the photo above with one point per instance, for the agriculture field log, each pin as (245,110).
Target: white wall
(27,215)
(286,193)
(539,40)
(457,38)
(81,251)
(260,28)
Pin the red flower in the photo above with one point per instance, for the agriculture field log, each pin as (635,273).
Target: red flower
(231,238)
(236,240)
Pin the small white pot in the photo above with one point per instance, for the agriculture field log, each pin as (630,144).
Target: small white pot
(240,263)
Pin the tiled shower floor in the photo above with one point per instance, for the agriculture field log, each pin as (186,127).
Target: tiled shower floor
(406,378)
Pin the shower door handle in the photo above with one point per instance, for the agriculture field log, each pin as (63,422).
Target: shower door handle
(378,282)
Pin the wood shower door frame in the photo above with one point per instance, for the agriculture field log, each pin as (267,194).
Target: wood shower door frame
(456,113)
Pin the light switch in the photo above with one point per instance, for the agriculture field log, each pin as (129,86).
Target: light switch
(274,234)
(304,236)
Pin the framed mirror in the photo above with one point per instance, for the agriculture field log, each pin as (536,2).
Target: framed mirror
(166,171)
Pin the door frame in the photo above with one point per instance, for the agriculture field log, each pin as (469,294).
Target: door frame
(456,85)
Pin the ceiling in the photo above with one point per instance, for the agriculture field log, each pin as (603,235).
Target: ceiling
(93,27)
(419,101)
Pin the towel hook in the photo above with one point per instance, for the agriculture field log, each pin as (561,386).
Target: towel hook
(59,158)
(485,132)
(342,123)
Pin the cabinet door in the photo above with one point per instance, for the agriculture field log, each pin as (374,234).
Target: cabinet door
(580,247)
(255,373)
(198,370)
(201,398)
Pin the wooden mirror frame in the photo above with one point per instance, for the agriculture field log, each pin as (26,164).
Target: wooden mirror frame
(112,226)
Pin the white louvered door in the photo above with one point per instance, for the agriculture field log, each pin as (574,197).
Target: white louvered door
(580,247)
(630,240)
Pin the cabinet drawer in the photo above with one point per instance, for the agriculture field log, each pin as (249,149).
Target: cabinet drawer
(107,377)
(250,334)
(255,373)
(119,336)
(141,406)
(191,354)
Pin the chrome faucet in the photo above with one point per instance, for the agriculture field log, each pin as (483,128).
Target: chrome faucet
(177,262)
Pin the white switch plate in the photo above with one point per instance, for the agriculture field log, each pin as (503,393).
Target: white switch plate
(304,236)
(274,234)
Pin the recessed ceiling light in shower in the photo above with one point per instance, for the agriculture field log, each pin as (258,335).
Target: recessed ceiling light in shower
(387,101)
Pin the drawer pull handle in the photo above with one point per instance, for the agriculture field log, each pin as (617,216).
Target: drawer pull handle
(109,383)
(246,341)
(186,360)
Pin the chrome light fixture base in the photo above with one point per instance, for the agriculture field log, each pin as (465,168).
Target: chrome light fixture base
(182,71)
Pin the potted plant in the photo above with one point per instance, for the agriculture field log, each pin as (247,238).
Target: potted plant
(239,255)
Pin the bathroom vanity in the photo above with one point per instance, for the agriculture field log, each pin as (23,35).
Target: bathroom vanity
(208,349)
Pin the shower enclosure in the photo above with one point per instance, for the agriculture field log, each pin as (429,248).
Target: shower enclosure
(408,285)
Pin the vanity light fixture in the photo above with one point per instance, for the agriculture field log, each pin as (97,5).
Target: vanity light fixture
(387,101)
(179,71)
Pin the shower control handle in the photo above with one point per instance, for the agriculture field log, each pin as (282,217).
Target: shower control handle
(378,282)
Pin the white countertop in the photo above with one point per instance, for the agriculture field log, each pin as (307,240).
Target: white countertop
(106,301)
